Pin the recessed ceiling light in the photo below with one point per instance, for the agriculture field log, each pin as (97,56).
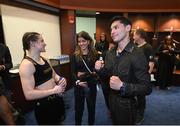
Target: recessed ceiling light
(97,12)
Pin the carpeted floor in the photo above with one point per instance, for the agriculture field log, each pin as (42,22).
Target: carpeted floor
(163,108)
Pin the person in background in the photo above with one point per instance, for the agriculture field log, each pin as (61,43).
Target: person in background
(140,39)
(111,45)
(127,68)
(82,65)
(165,63)
(40,83)
(103,45)
(177,62)
(5,65)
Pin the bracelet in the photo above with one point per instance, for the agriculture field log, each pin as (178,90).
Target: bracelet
(122,89)
(77,82)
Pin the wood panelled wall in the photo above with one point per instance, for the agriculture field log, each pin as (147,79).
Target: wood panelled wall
(145,21)
(54,3)
(151,22)
(68,32)
(154,23)
(169,22)
(117,5)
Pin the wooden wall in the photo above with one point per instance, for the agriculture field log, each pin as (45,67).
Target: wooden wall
(153,23)
(117,5)
(54,3)
(68,32)
(122,5)
(169,22)
(141,20)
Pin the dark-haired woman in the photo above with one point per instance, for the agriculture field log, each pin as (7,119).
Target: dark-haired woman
(165,63)
(40,82)
(103,45)
(82,63)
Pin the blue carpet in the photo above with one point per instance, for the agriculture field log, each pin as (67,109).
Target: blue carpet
(163,108)
(102,114)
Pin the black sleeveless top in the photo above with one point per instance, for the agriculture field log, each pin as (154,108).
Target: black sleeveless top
(42,73)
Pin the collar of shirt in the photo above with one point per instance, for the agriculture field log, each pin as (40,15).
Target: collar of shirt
(129,48)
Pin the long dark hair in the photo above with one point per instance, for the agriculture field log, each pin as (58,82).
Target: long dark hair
(27,38)
(92,52)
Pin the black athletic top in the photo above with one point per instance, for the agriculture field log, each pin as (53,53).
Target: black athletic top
(43,72)
(148,52)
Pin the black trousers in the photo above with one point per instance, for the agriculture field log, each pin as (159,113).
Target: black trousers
(82,94)
(123,110)
(49,110)
(165,72)
(106,89)
(6,80)
(141,104)
(5,85)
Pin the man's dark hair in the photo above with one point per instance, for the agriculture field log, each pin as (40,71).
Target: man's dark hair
(122,20)
(141,32)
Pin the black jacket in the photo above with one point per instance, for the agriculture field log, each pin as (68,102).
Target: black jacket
(131,67)
(5,59)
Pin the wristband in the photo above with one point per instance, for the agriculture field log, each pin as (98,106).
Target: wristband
(122,89)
